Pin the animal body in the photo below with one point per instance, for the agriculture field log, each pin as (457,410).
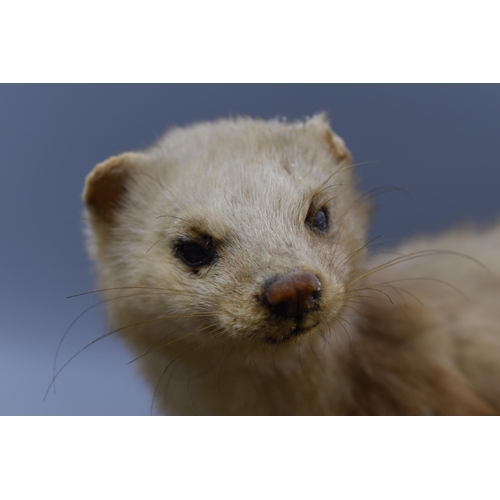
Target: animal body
(234,264)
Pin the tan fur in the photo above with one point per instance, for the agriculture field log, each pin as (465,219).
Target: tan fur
(418,336)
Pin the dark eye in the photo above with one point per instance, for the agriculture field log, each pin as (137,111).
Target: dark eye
(319,221)
(195,254)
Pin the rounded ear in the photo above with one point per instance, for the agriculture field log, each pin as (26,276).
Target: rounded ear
(321,123)
(106,186)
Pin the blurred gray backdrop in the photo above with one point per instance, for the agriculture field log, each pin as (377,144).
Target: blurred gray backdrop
(439,142)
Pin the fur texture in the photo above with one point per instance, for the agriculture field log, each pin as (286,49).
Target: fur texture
(417,332)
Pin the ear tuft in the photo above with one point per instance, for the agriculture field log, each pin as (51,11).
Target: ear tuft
(337,146)
(106,186)
(319,119)
(321,124)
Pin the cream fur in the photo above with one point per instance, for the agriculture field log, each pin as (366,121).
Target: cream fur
(381,345)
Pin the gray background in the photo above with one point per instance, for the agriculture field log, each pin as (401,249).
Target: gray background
(440,142)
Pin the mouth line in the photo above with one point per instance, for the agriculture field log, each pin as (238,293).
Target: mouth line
(294,332)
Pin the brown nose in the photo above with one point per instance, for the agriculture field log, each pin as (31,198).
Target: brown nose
(292,295)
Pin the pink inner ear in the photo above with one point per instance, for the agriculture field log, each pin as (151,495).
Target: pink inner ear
(106,187)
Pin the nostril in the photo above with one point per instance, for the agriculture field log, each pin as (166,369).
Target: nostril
(284,309)
(292,295)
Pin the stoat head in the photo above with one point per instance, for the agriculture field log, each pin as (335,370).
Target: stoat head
(237,228)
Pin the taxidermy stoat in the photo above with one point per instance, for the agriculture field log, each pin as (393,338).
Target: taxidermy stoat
(234,263)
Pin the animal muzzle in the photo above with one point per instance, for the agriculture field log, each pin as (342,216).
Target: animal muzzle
(292,295)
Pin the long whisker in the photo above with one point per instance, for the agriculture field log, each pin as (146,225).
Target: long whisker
(222,366)
(117,288)
(339,237)
(54,369)
(162,186)
(252,347)
(300,361)
(348,292)
(170,364)
(369,195)
(189,381)
(329,200)
(204,370)
(334,331)
(169,290)
(345,261)
(158,241)
(436,280)
(157,347)
(93,342)
(378,191)
(339,318)
(329,187)
(172,217)
(399,289)
(370,297)
(416,255)
(343,167)
(353,308)
(161,377)
(317,359)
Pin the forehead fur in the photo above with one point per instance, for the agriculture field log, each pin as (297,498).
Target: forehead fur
(242,135)
(247,158)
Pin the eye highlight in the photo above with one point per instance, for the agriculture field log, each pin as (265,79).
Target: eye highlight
(319,221)
(195,253)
